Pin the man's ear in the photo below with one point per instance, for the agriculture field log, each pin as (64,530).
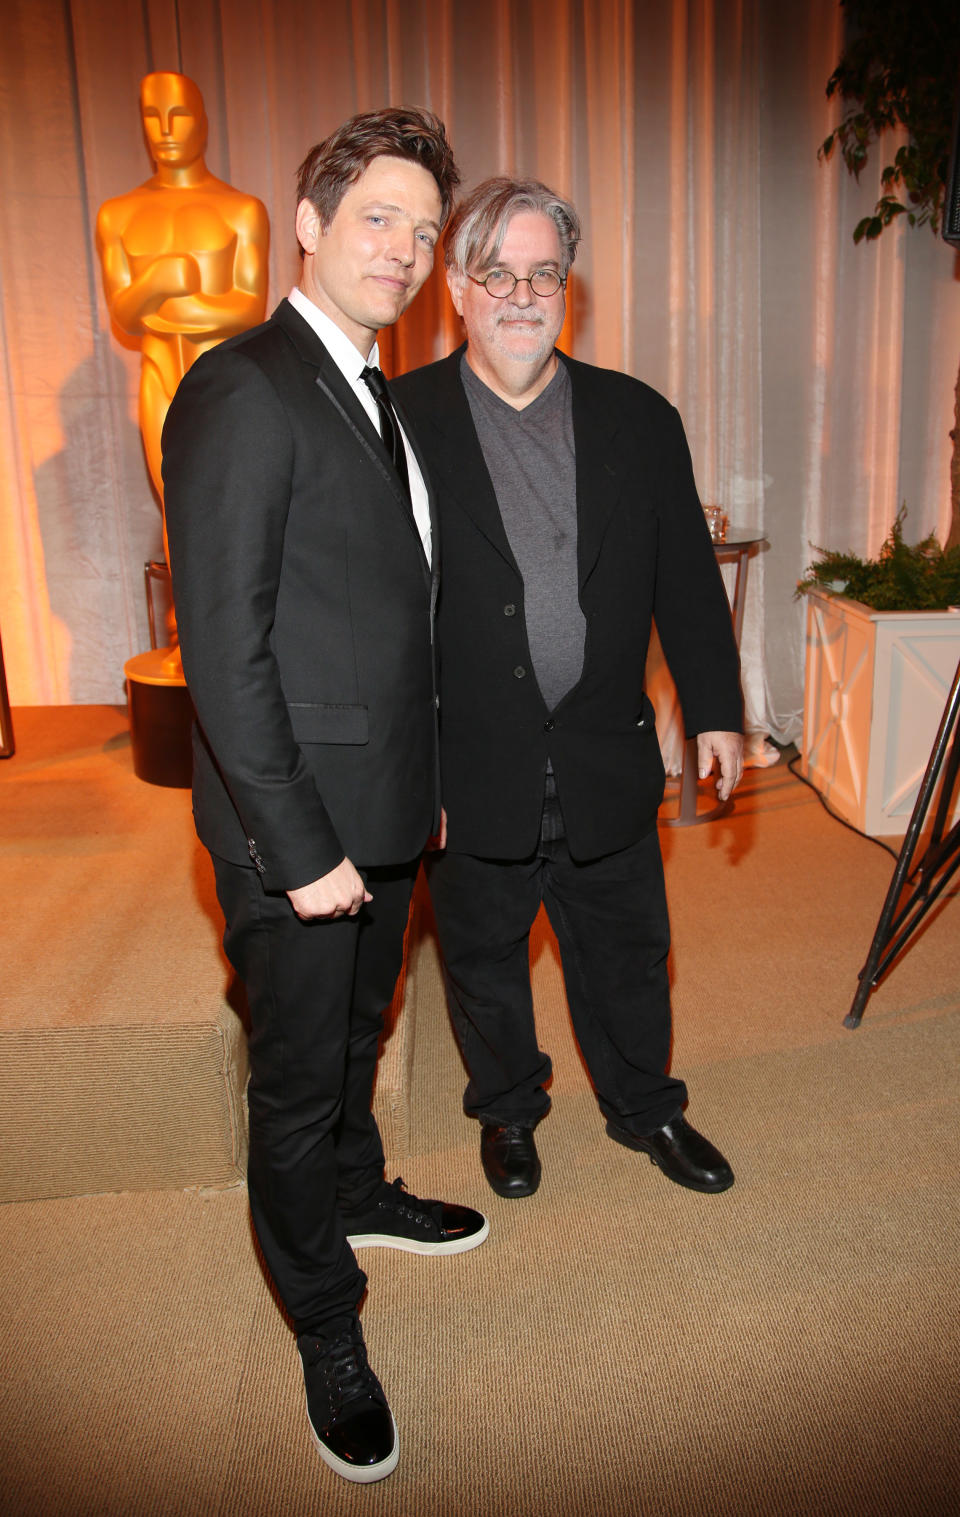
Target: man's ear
(455,283)
(308,225)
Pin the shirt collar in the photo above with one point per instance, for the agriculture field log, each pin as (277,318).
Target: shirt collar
(346,357)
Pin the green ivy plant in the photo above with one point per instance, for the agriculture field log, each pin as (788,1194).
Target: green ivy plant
(904,577)
(900,68)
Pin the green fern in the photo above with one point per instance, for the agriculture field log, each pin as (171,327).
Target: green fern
(904,577)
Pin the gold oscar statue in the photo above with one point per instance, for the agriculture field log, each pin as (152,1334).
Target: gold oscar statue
(184,258)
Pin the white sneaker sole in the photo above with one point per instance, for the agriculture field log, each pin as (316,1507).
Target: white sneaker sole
(412,1246)
(362,1474)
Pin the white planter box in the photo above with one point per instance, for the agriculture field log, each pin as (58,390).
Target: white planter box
(876,685)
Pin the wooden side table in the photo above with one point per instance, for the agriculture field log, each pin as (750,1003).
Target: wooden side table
(734,550)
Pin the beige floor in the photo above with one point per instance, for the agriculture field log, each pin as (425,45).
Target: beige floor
(619,1346)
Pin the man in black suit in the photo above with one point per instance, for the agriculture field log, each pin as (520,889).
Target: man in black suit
(302,551)
(569,518)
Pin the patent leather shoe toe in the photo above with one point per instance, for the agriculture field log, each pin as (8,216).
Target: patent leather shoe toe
(684,1155)
(509,1158)
(350,1420)
(395,1218)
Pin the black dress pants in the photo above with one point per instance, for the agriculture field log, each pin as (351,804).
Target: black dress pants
(317,992)
(611,923)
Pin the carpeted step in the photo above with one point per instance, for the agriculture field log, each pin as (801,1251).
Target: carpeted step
(122,1063)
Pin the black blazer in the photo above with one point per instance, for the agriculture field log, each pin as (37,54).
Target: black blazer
(304,605)
(643,550)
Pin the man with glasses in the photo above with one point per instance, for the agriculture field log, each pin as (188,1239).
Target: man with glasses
(569,518)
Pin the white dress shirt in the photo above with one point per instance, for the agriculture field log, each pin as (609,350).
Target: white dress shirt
(351,363)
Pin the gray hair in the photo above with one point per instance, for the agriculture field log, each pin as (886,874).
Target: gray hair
(479,223)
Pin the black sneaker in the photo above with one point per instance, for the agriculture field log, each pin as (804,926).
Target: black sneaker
(350,1420)
(396,1219)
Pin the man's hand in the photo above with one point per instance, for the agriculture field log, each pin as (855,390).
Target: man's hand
(438,841)
(340,893)
(728,748)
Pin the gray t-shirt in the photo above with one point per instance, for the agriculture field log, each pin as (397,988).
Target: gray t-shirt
(532,463)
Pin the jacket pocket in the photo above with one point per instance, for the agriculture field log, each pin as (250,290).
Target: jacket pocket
(316,723)
(646,718)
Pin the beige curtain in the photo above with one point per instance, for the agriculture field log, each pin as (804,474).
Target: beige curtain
(814,378)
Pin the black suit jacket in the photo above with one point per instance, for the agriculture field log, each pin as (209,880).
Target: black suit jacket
(643,550)
(304,605)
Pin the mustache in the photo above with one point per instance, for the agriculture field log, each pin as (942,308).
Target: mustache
(517,317)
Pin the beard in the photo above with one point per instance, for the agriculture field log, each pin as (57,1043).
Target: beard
(532,327)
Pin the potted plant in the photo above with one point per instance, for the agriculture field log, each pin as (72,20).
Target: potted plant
(883,643)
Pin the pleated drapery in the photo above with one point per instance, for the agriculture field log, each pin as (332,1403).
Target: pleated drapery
(814,377)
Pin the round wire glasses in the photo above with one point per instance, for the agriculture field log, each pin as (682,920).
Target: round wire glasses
(500,282)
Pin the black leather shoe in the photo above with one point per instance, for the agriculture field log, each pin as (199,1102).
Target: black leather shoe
(509,1159)
(683,1154)
(350,1420)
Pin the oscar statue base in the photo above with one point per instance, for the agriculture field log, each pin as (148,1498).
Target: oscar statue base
(161,715)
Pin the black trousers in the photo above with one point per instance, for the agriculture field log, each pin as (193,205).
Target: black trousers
(317,993)
(612,928)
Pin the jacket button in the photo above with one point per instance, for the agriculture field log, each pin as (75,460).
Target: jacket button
(509,609)
(641,721)
(519,672)
(549,724)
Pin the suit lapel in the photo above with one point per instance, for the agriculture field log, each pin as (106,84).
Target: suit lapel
(313,352)
(332,384)
(599,481)
(460,470)
(456,459)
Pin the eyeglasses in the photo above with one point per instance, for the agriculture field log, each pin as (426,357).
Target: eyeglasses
(500,282)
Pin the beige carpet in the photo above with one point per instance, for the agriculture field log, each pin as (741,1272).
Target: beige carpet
(619,1346)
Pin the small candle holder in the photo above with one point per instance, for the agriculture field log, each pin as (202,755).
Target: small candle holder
(716,522)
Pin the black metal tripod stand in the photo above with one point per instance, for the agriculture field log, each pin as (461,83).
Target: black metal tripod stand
(898,921)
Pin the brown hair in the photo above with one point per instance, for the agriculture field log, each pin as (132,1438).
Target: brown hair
(475,234)
(407,132)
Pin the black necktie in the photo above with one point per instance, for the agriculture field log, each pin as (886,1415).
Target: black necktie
(389,426)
